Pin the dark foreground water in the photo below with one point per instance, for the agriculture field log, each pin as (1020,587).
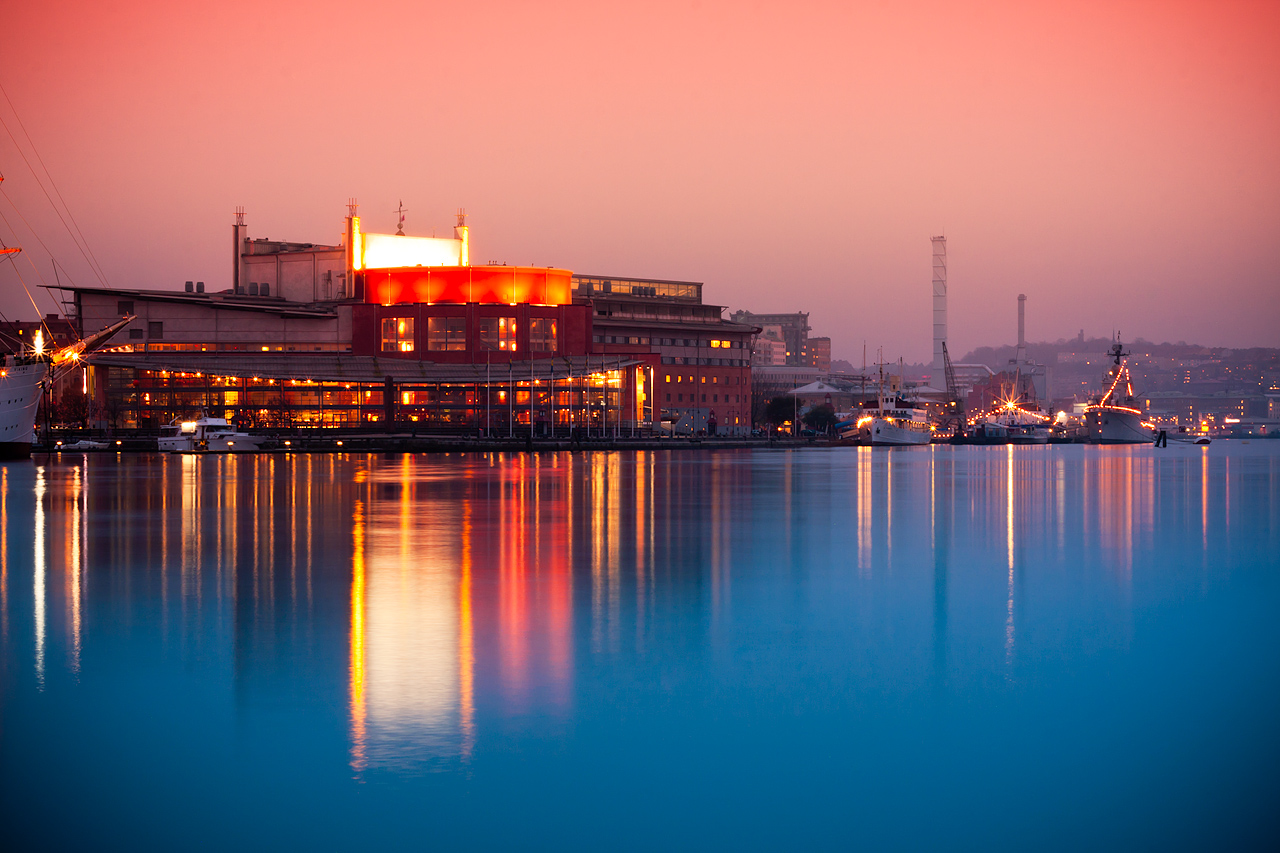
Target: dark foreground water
(992,648)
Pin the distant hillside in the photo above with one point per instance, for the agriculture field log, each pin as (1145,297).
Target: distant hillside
(1047,353)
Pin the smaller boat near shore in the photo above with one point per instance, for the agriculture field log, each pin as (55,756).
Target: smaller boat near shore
(206,435)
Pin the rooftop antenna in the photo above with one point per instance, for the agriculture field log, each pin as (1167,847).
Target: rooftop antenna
(352,207)
(240,215)
(400,223)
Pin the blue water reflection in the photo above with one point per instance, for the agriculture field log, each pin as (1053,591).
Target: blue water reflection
(930,647)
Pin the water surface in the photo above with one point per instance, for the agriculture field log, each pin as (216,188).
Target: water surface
(994,648)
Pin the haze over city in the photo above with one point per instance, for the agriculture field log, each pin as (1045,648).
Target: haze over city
(1115,162)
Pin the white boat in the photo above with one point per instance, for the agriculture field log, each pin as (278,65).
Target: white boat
(891,421)
(84,444)
(206,435)
(21,383)
(1113,417)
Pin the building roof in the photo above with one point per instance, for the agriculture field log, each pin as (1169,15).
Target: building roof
(339,367)
(223,300)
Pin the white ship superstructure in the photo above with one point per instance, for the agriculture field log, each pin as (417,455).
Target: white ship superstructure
(892,421)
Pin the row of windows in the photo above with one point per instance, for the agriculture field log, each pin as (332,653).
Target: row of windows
(715,343)
(450,334)
(705,362)
(155,331)
(715,398)
(715,380)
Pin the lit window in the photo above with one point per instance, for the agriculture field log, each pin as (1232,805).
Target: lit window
(498,333)
(542,334)
(397,334)
(668,377)
(446,333)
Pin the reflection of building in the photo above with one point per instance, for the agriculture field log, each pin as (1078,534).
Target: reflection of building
(381,328)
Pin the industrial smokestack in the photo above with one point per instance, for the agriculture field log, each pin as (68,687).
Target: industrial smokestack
(939,310)
(1022,325)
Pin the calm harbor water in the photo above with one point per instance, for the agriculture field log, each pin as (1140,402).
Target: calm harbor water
(1011,648)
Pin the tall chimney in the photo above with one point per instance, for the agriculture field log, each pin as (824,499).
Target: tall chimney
(1022,326)
(939,310)
(240,232)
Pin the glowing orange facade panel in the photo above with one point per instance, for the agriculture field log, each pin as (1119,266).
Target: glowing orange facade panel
(486,284)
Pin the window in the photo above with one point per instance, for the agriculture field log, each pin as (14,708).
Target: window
(668,398)
(679,398)
(668,377)
(124,306)
(715,398)
(704,398)
(447,333)
(135,334)
(542,334)
(155,330)
(397,334)
(253,288)
(704,380)
(498,333)
(266,289)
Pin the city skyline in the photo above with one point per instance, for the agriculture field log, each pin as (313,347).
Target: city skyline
(1113,163)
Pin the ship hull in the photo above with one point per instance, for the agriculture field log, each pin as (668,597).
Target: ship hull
(882,432)
(1109,425)
(19,399)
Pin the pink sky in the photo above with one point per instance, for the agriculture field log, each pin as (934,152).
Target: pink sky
(1116,162)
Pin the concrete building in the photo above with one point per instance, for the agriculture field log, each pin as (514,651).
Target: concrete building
(702,374)
(794,330)
(819,350)
(768,348)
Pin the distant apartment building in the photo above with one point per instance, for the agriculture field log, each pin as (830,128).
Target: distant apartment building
(819,350)
(794,331)
(769,349)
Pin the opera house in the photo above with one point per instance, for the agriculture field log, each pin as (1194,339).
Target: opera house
(397,332)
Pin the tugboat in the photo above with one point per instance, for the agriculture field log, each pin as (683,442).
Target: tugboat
(1113,418)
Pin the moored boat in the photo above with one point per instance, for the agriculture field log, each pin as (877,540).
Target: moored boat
(891,421)
(206,435)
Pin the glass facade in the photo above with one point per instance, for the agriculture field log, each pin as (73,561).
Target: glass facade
(149,399)
(596,285)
